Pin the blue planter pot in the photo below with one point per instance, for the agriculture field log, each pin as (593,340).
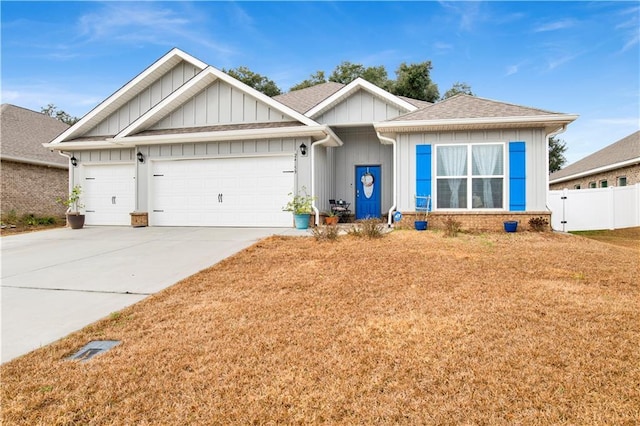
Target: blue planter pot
(301,220)
(420,225)
(510,226)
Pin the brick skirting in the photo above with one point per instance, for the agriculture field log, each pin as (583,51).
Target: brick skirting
(476,221)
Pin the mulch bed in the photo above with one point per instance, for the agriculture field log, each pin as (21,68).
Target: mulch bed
(412,328)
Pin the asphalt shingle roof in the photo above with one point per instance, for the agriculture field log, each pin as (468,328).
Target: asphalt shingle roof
(467,106)
(625,149)
(23,132)
(304,99)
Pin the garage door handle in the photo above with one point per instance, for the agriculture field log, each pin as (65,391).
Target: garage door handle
(219,198)
(113,199)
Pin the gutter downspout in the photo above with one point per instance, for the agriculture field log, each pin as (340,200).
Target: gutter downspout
(395,176)
(68,157)
(313,176)
(546,201)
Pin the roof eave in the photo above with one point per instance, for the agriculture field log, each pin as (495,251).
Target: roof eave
(593,171)
(549,122)
(316,132)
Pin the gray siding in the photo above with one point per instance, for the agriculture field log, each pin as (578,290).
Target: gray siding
(536,152)
(220,103)
(361,107)
(361,148)
(145,100)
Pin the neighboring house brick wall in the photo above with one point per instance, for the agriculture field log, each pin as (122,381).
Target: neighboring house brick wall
(31,189)
(632,173)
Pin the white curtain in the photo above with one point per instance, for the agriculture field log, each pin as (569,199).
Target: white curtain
(454,163)
(485,159)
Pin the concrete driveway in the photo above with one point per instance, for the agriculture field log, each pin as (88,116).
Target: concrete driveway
(57,281)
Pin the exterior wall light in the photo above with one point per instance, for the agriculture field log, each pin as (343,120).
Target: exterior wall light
(140,157)
(74,161)
(303,149)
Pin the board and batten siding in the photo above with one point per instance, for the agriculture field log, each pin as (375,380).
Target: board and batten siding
(361,107)
(535,150)
(145,100)
(361,148)
(220,103)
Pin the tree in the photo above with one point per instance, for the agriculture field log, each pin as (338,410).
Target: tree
(414,81)
(52,111)
(557,148)
(255,80)
(314,79)
(346,72)
(458,87)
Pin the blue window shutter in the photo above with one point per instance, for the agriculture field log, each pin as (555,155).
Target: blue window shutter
(517,177)
(423,170)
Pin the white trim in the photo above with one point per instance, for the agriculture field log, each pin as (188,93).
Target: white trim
(320,132)
(359,83)
(597,170)
(86,122)
(556,118)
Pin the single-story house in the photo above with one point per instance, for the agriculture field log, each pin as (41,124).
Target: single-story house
(185,144)
(32,176)
(617,164)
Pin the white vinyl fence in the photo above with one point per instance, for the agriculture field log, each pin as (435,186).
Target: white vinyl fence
(595,208)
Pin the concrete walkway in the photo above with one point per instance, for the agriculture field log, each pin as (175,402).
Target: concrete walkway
(57,281)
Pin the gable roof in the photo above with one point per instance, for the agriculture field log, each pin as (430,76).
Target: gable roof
(138,131)
(23,132)
(304,99)
(128,92)
(464,111)
(622,153)
(351,88)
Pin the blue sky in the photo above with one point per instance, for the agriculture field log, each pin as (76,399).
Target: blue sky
(570,57)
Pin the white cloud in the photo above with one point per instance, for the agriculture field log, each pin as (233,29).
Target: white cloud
(145,23)
(555,25)
(512,69)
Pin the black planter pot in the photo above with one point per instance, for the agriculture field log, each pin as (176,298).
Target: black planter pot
(75,221)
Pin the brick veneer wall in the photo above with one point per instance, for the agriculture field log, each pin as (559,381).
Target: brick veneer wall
(476,221)
(632,173)
(31,189)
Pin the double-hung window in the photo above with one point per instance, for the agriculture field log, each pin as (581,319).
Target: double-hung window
(470,176)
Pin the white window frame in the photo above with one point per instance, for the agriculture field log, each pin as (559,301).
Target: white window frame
(470,176)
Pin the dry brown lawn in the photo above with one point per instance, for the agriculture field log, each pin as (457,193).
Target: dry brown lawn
(413,328)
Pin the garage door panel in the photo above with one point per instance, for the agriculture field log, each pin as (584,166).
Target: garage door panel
(108,194)
(222,192)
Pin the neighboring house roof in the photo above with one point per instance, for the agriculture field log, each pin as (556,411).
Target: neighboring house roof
(622,153)
(24,131)
(304,99)
(464,111)
(416,102)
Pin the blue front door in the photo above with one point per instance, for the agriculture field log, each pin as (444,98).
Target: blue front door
(368,189)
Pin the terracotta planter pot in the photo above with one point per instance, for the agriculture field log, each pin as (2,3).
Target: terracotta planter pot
(331,220)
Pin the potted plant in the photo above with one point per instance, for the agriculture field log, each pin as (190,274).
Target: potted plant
(422,212)
(331,218)
(301,205)
(510,225)
(74,218)
(421,223)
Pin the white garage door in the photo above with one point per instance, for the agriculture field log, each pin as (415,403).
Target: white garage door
(108,194)
(248,191)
